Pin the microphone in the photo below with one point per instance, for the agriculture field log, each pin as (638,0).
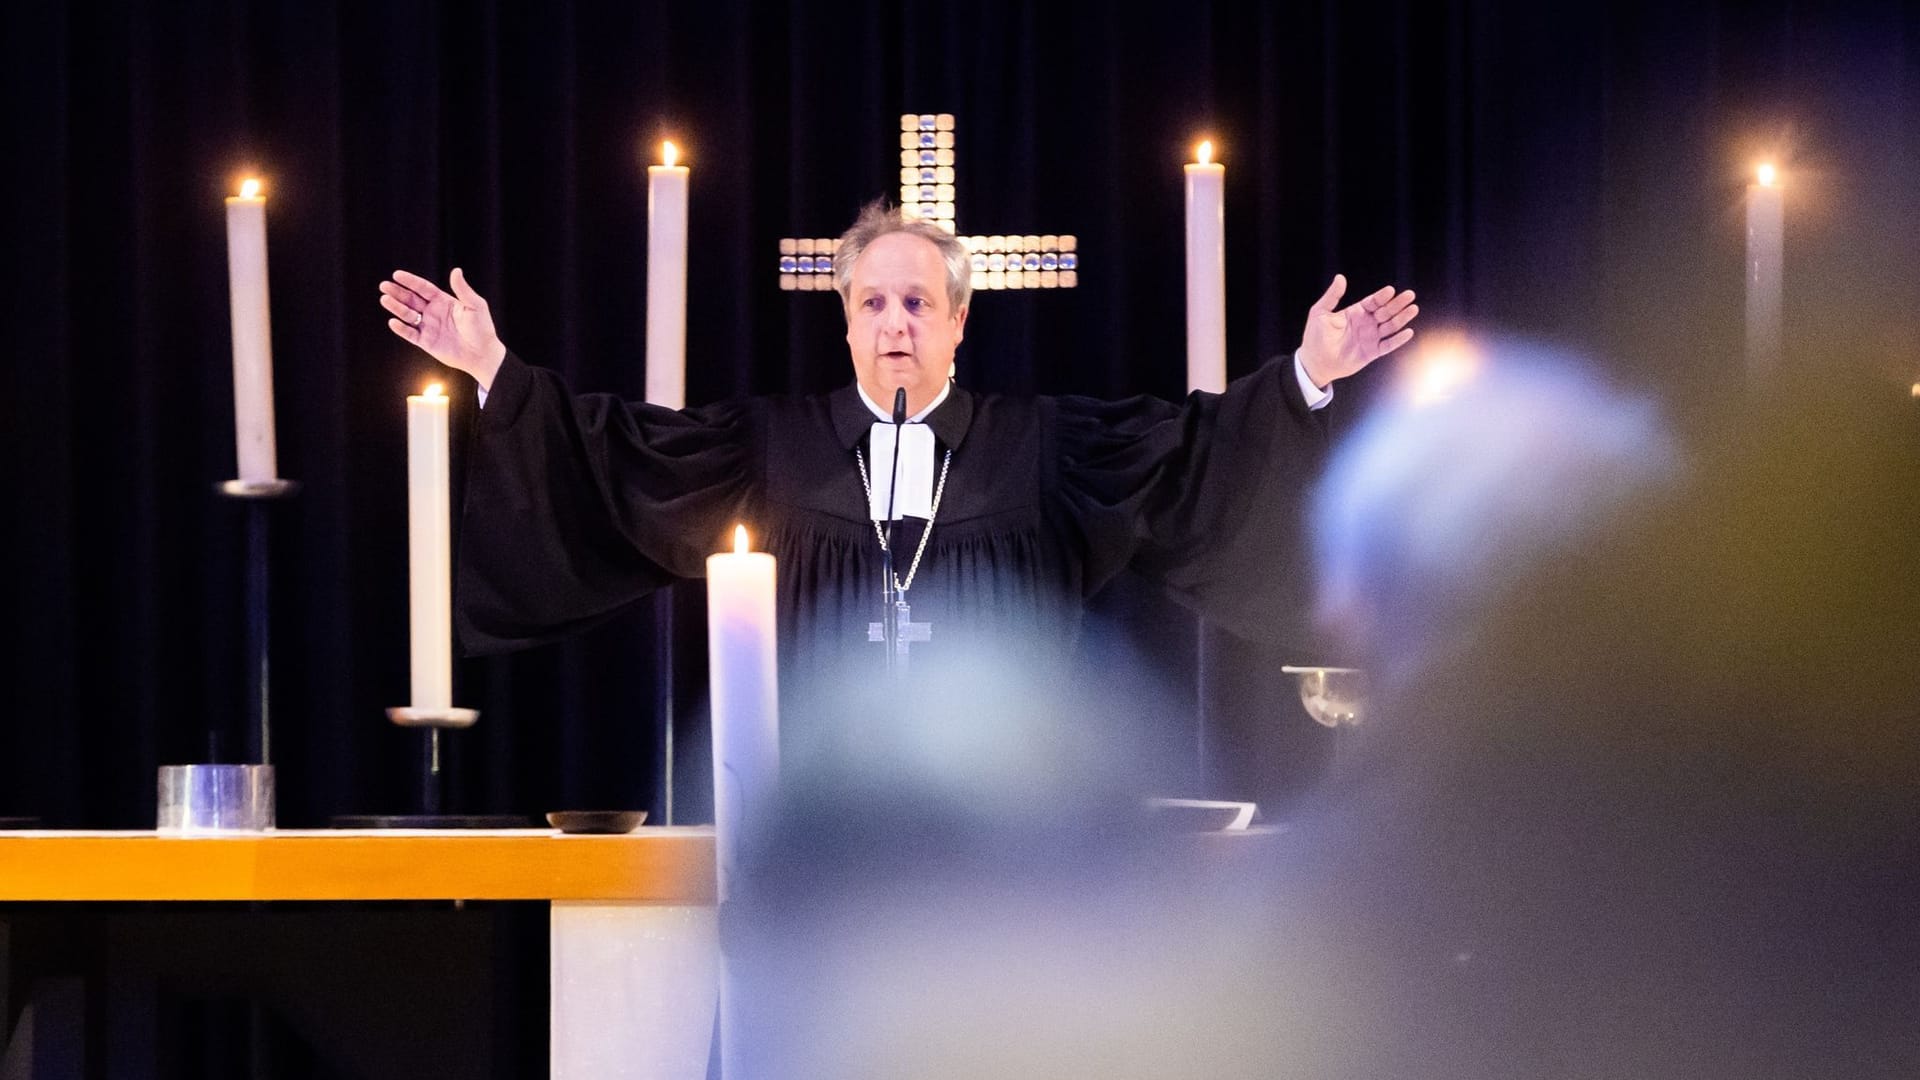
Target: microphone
(889,617)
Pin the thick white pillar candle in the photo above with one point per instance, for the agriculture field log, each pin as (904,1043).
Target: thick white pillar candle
(741,658)
(429,550)
(1765,225)
(667,282)
(741,661)
(252,333)
(1206,274)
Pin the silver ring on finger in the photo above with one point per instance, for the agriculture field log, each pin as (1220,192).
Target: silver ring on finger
(419,317)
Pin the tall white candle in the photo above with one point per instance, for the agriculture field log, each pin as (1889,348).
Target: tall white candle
(429,550)
(1206,274)
(667,281)
(1765,225)
(741,657)
(741,661)
(252,333)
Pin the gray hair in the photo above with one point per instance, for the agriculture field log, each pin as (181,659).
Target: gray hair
(876,220)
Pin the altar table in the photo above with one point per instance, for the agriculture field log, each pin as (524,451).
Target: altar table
(634,963)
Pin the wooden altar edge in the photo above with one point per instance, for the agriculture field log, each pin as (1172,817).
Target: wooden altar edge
(671,865)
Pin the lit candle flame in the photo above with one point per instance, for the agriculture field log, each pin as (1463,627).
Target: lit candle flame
(1767,174)
(250,188)
(669,154)
(1205,153)
(434,390)
(739,539)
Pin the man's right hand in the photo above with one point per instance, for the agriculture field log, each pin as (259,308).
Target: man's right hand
(454,328)
(1335,344)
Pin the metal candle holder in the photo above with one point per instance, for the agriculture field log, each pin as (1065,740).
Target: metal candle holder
(663,664)
(229,798)
(1334,696)
(435,721)
(259,497)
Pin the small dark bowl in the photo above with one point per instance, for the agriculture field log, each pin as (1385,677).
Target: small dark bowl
(606,822)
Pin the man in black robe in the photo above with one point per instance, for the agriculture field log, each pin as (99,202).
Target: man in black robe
(578,504)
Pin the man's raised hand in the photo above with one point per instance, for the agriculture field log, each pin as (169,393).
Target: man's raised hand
(454,328)
(1338,343)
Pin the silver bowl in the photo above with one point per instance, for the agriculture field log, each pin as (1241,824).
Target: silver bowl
(1334,696)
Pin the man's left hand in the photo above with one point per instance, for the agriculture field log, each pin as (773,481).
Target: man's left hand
(1338,343)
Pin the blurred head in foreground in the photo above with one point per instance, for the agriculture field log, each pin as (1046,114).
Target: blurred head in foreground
(962,883)
(1489,459)
(1636,797)
(1639,798)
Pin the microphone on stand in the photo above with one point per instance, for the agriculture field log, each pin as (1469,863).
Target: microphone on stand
(888,611)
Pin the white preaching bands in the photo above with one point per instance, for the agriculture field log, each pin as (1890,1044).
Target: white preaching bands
(900,587)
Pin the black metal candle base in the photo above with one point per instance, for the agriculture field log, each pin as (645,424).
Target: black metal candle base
(430,817)
(663,668)
(431,821)
(255,806)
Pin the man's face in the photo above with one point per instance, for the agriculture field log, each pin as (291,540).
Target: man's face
(900,327)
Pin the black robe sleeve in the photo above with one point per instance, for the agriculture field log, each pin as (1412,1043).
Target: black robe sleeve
(1203,498)
(577,505)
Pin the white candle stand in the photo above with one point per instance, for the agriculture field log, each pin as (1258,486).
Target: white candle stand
(430,629)
(1206,267)
(667,191)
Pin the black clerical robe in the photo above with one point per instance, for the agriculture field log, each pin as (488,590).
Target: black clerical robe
(577,505)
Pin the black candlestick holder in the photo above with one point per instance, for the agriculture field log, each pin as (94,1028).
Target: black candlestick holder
(434,721)
(255,774)
(258,498)
(663,625)
(432,814)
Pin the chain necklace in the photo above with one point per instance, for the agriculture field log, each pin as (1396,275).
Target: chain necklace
(901,587)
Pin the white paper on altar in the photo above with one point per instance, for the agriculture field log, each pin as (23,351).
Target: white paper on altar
(916,471)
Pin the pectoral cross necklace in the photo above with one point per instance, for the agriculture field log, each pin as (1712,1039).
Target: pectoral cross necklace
(906,630)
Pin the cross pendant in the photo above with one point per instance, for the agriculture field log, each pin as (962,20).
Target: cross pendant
(906,632)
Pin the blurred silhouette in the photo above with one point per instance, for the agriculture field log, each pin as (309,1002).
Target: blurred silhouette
(1639,797)
(1635,795)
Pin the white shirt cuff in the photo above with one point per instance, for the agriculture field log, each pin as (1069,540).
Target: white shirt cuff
(1316,397)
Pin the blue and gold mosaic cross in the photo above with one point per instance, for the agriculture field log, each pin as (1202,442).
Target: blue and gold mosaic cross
(926,191)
